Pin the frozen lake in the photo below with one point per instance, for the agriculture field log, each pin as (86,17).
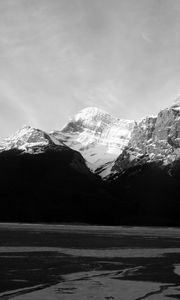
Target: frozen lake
(40,262)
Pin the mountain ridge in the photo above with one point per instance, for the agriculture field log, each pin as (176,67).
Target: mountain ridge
(108,143)
(43,179)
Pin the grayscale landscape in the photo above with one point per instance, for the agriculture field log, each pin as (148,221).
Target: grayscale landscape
(40,262)
(89,149)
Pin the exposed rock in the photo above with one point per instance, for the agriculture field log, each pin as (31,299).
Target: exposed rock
(30,140)
(34,141)
(153,140)
(98,136)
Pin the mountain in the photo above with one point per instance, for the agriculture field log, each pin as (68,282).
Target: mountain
(111,145)
(29,140)
(43,180)
(154,139)
(146,175)
(98,136)
(46,177)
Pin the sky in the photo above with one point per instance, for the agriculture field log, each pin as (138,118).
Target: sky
(60,56)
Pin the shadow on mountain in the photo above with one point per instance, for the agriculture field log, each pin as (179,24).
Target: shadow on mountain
(149,194)
(56,186)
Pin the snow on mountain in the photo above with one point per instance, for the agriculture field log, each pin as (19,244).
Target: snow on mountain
(108,144)
(35,141)
(30,140)
(154,139)
(98,136)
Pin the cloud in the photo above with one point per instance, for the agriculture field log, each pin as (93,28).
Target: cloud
(146,37)
(10,97)
(105,96)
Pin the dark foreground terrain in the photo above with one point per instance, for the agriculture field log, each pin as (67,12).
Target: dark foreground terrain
(89,262)
(57,187)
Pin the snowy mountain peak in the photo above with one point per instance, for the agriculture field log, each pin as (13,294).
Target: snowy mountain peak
(22,135)
(97,135)
(90,113)
(92,118)
(27,139)
(89,117)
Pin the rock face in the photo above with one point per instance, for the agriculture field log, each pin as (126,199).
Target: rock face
(35,141)
(98,136)
(30,140)
(154,139)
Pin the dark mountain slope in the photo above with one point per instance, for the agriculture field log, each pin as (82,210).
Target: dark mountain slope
(149,194)
(47,187)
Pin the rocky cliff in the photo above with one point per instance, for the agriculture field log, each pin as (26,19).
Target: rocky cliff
(154,139)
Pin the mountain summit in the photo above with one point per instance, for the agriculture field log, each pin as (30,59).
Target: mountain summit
(44,178)
(97,135)
(90,118)
(30,139)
